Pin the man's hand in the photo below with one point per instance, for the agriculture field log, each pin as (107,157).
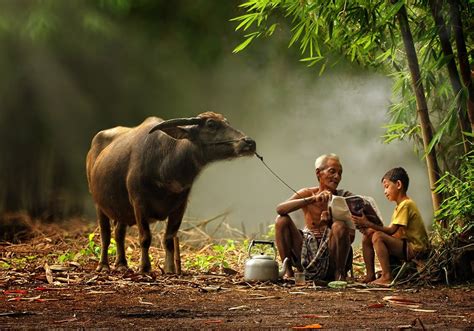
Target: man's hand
(326,218)
(323,196)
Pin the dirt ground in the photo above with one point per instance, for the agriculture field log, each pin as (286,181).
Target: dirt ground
(35,293)
(221,302)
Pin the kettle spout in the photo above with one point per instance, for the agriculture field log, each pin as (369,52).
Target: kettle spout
(282,272)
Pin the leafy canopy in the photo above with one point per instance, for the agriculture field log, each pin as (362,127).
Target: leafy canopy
(366,32)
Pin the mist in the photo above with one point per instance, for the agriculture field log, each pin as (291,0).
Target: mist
(295,116)
(65,81)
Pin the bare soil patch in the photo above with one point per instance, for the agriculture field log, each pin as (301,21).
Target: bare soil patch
(38,292)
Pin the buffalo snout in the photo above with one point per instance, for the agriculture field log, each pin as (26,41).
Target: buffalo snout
(247,146)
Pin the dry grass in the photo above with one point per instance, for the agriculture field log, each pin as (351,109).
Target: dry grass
(207,246)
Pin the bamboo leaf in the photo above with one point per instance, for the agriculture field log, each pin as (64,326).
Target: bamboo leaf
(297,35)
(394,9)
(323,67)
(246,22)
(271,30)
(382,57)
(313,58)
(443,60)
(243,45)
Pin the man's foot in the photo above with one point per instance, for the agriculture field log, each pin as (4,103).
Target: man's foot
(368,279)
(320,282)
(382,281)
(340,276)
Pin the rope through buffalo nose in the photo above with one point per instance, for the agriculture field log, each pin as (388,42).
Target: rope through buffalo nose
(247,140)
(279,178)
(222,142)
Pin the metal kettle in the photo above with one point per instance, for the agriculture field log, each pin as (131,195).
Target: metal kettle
(263,267)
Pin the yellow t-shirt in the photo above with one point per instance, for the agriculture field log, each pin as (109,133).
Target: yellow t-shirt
(407,215)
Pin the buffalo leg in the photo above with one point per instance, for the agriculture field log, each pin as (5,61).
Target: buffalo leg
(145,239)
(145,242)
(104,224)
(172,227)
(120,232)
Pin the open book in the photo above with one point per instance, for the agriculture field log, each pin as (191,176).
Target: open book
(342,208)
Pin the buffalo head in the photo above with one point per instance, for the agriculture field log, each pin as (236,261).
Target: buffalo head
(213,134)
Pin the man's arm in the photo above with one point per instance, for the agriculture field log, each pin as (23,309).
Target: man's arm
(301,199)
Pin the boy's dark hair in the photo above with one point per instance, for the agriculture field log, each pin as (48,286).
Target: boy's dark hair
(398,174)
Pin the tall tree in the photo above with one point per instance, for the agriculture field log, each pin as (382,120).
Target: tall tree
(462,57)
(436,6)
(422,107)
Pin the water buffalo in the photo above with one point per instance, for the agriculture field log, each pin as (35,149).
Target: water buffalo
(145,173)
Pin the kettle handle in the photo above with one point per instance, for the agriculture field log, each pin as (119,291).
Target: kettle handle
(262,242)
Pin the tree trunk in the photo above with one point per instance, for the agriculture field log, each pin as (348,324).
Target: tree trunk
(435,6)
(422,108)
(463,58)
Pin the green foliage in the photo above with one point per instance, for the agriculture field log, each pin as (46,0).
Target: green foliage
(220,252)
(366,32)
(17,262)
(231,254)
(4,265)
(221,256)
(270,235)
(93,248)
(398,131)
(457,208)
(200,262)
(362,31)
(40,24)
(263,249)
(117,6)
(67,256)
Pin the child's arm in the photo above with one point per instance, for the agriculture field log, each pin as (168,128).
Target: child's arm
(363,222)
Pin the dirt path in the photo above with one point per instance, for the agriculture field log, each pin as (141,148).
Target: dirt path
(224,302)
(49,282)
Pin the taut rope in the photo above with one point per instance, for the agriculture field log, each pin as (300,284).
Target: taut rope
(274,174)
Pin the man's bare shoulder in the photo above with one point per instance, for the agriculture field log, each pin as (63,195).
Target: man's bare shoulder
(308,191)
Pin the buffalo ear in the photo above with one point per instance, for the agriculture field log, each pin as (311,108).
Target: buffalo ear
(179,132)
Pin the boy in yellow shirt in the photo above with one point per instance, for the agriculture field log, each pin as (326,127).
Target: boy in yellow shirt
(405,237)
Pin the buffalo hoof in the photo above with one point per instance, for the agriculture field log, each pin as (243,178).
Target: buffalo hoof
(121,267)
(145,269)
(170,267)
(103,268)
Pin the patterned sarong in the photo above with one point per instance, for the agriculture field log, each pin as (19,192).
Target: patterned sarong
(315,254)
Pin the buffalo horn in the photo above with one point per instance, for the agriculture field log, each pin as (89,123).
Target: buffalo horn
(176,122)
